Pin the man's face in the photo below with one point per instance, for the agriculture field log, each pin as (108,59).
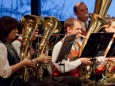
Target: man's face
(81,12)
(76,29)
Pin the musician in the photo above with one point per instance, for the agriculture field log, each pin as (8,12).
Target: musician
(9,60)
(71,26)
(81,10)
(109,28)
(31,52)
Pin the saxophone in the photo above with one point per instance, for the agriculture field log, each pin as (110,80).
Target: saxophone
(50,25)
(30,23)
(97,21)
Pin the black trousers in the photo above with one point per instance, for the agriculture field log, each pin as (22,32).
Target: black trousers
(67,80)
(63,81)
(72,81)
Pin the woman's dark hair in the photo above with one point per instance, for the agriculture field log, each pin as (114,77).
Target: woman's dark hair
(19,28)
(7,24)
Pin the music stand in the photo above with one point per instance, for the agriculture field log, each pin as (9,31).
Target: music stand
(66,47)
(96,46)
(111,50)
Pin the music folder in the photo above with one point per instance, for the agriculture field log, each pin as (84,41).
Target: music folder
(111,50)
(66,47)
(96,44)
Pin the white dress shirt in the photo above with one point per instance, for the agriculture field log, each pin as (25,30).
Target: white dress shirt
(84,25)
(5,69)
(17,45)
(69,66)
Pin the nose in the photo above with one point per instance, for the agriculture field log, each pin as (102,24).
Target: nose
(16,30)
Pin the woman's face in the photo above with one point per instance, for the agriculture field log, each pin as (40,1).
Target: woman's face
(12,34)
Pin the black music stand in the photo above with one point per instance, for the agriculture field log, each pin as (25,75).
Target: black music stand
(96,46)
(111,50)
(66,47)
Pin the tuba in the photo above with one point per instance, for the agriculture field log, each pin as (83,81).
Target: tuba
(97,21)
(50,25)
(30,23)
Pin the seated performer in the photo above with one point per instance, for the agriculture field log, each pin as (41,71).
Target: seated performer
(10,63)
(71,26)
(17,45)
(110,28)
(71,67)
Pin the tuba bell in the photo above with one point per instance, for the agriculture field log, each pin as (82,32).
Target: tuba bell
(50,25)
(97,21)
(30,23)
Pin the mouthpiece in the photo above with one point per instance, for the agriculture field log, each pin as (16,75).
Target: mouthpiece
(86,15)
(82,36)
(17,34)
(39,35)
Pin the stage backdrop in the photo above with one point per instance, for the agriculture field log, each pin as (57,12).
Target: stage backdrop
(61,9)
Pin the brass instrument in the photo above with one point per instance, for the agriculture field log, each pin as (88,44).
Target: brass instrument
(97,21)
(50,25)
(30,23)
(109,66)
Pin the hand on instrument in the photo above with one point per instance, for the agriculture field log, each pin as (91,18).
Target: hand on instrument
(43,58)
(111,58)
(85,60)
(31,51)
(28,63)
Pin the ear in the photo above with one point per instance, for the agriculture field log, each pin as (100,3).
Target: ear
(68,29)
